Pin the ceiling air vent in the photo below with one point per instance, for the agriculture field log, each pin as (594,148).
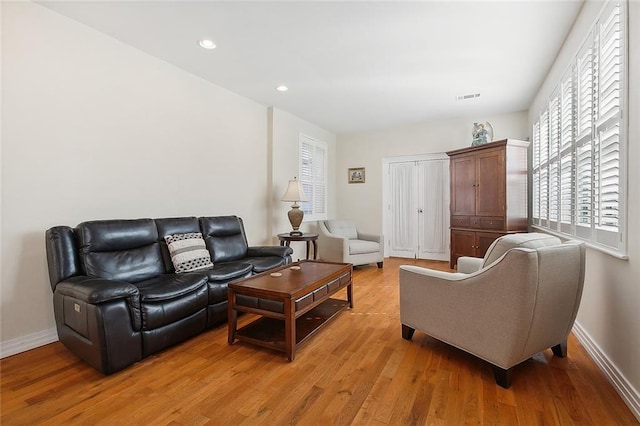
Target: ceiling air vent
(468,96)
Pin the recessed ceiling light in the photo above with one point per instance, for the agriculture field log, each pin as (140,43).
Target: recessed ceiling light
(282,88)
(207,44)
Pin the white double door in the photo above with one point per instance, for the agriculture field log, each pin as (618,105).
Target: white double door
(417,210)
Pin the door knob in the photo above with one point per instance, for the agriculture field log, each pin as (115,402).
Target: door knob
(419,210)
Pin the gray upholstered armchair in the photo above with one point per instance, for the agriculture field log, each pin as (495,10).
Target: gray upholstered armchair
(340,241)
(522,300)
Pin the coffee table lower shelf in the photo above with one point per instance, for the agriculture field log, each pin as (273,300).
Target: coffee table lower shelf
(270,332)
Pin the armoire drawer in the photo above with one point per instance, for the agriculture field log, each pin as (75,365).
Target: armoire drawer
(480,222)
(459,221)
(492,223)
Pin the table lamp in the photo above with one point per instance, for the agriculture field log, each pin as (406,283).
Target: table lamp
(295,193)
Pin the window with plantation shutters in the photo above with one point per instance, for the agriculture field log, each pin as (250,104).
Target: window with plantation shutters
(313,177)
(578,149)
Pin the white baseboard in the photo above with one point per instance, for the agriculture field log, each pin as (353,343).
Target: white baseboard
(627,392)
(28,342)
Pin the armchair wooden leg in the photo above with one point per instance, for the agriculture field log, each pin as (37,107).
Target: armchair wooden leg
(379,265)
(407,332)
(560,350)
(502,376)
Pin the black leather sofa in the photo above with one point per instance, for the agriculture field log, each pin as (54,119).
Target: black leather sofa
(117,298)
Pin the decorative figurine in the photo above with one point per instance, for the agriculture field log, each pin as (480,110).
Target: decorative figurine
(482,133)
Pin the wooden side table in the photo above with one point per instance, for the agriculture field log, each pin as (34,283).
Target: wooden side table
(286,238)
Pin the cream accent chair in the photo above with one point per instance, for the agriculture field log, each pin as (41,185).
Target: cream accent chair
(340,241)
(522,300)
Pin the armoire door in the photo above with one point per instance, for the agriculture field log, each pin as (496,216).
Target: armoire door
(419,209)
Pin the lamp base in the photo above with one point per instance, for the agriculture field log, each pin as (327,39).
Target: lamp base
(295,233)
(295,218)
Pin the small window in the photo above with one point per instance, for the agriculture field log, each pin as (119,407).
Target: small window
(313,176)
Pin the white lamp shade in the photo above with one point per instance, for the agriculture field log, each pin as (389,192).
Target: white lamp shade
(294,192)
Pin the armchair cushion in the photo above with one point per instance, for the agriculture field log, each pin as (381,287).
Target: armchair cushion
(343,228)
(362,246)
(467,264)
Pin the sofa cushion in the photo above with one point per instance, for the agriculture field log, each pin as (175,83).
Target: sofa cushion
(225,238)
(362,247)
(343,228)
(229,271)
(123,250)
(188,252)
(223,274)
(505,243)
(170,286)
(171,297)
(261,264)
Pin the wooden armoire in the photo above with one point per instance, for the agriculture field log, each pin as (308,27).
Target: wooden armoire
(488,195)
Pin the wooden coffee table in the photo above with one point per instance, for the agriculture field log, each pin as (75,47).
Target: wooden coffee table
(293,301)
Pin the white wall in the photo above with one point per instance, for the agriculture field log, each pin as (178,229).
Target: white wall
(362,202)
(285,131)
(608,315)
(92,128)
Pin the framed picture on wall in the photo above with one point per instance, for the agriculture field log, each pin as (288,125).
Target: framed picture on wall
(356,175)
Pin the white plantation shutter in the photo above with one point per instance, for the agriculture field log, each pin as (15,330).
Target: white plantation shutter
(566,112)
(584,131)
(567,184)
(544,194)
(608,118)
(536,172)
(584,180)
(608,172)
(609,65)
(554,150)
(578,139)
(536,144)
(536,197)
(313,177)
(544,166)
(585,93)
(544,138)
(567,170)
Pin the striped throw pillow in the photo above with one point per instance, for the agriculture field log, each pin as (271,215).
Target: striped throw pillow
(188,252)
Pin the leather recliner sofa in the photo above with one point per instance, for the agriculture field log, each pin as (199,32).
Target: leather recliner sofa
(117,297)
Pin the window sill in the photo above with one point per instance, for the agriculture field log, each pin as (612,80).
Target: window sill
(606,250)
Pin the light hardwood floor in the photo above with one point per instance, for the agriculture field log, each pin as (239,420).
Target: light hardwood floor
(357,370)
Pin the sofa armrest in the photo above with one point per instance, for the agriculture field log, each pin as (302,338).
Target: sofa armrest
(95,291)
(468,265)
(261,251)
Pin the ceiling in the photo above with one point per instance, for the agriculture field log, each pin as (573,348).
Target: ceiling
(351,66)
